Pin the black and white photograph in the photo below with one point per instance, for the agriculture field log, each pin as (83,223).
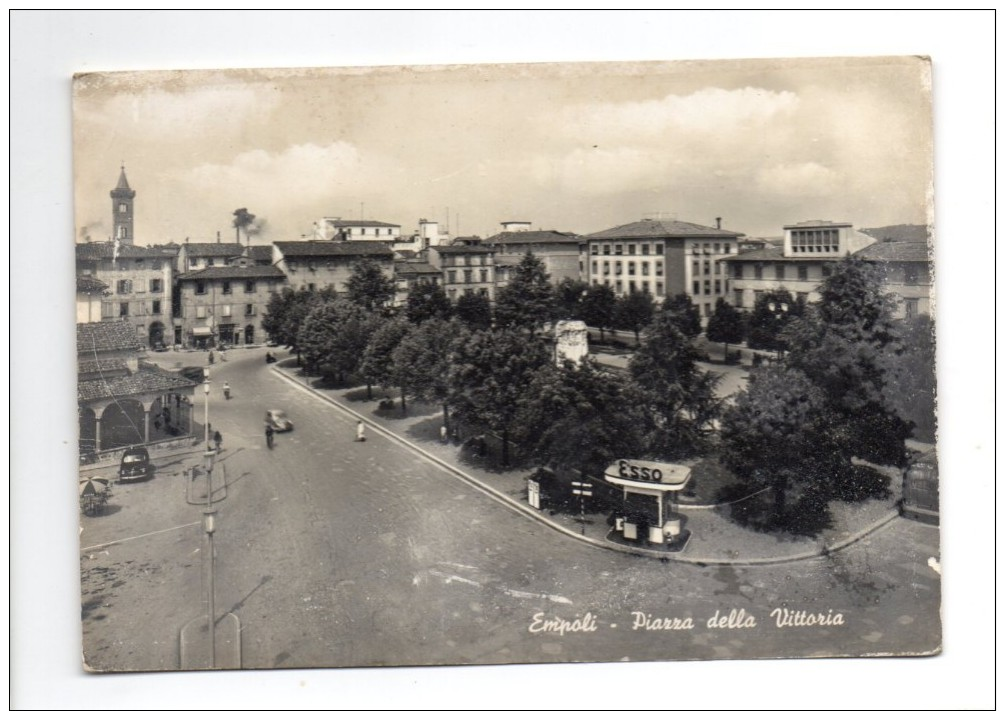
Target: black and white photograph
(490,364)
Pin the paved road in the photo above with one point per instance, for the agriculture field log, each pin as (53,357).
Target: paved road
(337,553)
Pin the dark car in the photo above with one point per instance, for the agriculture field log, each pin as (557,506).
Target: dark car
(194,373)
(278,420)
(135,465)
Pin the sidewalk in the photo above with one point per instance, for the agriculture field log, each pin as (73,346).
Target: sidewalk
(715,538)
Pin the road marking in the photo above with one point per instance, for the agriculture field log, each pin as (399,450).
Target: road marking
(142,535)
(538,596)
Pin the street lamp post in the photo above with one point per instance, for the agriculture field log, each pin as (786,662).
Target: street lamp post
(779,309)
(209,525)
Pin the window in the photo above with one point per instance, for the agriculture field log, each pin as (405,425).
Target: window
(718,268)
(645,287)
(659,288)
(727,249)
(193,262)
(467,276)
(249,309)
(659,269)
(631,268)
(452,277)
(124,286)
(124,308)
(200,312)
(718,286)
(659,249)
(645,268)
(607,268)
(607,249)
(758,271)
(696,287)
(645,250)
(738,298)
(594,271)
(910,275)
(708,288)
(200,287)
(155,307)
(779,271)
(225,311)
(227,288)
(156,286)
(717,247)
(311,286)
(805,241)
(122,208)
(617,268)
(706,268)
(708,312)
(617,286)
(107,309)
(594,250)
(827,271)
(803,273)
(139,264)
(910,309)
(631,249)
(618,249)
(249,286)
(695,267)
(483,276)
(737,271)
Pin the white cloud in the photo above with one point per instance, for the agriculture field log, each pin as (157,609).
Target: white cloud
(797,179)
(703,112)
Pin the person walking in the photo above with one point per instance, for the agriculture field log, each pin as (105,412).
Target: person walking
(226,390)
(443,434)
(218,440)
(360,431)
(269,433)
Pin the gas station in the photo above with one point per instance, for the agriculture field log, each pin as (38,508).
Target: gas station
(648,513)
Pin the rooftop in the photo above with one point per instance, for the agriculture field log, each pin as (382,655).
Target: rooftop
(327,248)
(415,268)
(661,228)
(817,223)
(896,252)
(87,251)
(462,249)
(898,233)
(90,285)
(338,222)
(213,249)
(249,272)
(260,253)
(770,252)
(142,381)
(106,336)
(533,237)
(87,366)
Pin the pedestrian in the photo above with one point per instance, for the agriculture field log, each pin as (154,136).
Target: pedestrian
(218,440)
(360,431)
(226,390)
(268,435)
(211,357)
(443,434)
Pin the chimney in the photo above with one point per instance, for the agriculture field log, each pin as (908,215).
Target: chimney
(218,236)
(718,223)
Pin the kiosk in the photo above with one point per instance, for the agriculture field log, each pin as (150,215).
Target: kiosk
(649,507)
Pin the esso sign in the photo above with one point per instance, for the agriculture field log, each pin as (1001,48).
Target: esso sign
(637,472)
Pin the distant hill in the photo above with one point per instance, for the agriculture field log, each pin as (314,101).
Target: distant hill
(898,233)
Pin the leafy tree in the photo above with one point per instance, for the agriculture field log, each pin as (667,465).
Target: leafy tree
(726,325)
(368,286)
(528,301)
(422,360)
(378,364)
(843,346)
(490,377)
(679,398)
(286,312)
(684,314)
(910,384)
(242,221)
(634,311)
(580,417)
(568,296)
(777,434)
(474,310)
(427,300)
(773,312)
(598,306)
(334,336)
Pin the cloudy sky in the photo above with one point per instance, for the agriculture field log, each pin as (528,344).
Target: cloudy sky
(576,147)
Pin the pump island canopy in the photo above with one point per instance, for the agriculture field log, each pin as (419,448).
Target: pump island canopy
(636,474)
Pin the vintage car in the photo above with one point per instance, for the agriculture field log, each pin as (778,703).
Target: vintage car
(278,420)
(135,465)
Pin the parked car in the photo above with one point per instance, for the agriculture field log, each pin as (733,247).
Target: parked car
(278,420)
(135,465)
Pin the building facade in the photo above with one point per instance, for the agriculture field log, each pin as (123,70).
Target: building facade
(559,251)
(907,274)
(314,264)
(661,257)
(89,293)
(466,270)
(193,256)
(224,305)
(408,273)
(339,230)
(806,258)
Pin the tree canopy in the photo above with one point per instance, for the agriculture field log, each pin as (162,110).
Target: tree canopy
(378,364)
(634,311)
(369,287)
(684,314)
(528,301)
(334,336)
(597,307)
(427,300)
(422,360)
(726,325)
(474,310)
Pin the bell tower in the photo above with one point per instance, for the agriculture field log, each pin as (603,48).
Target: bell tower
(122,210)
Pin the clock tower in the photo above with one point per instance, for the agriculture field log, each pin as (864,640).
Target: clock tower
(122,210)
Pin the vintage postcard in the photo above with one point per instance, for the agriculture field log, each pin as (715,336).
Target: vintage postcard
(494,364)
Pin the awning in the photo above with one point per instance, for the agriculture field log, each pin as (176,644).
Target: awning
(202,331)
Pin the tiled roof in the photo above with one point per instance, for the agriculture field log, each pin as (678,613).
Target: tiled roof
(327,248)
(86,366)
(898,233)
(661,228)
(462,249)
(260,253)
(105,336)
(761,255)
(249,272)
(89,251)
(415,268)
(508,260)
(533,237)
(213,249)
(90,285)
(358,223)
(896,252)
(138,383)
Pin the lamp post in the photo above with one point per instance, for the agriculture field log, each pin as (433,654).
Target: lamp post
(209,526)
(779,309)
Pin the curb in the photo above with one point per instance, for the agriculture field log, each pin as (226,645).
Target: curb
(535,516)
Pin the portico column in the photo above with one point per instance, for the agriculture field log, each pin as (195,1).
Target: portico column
(146,422)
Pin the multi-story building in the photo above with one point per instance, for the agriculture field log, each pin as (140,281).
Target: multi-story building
(139,281)
(466,269)
(408,273)
(807,256)
(558,250)
(907,273)
(224,305)
(661,257)
(315,264)
(120,399)
(89,293)
(193,256)
(339,230)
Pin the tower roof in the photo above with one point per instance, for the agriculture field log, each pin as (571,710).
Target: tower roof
(122,187)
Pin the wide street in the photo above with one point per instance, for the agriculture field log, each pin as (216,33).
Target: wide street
(338,553)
